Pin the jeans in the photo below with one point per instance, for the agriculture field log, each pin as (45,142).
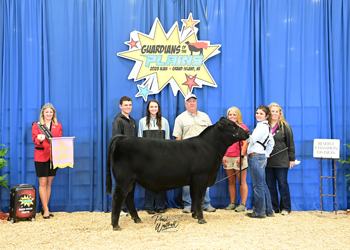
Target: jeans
(262,199)
(274,175)
(152,199)
(186,197)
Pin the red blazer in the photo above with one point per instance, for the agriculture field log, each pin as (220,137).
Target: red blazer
(42,149)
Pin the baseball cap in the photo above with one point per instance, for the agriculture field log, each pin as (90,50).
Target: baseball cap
(190,96)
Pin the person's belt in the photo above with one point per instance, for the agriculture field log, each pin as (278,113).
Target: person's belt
(253,154)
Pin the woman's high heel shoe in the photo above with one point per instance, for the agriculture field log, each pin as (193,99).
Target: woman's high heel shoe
(42,213)
(45,217)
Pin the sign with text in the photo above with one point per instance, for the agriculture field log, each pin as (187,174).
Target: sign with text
(62,152)
(176,58)
(326,148)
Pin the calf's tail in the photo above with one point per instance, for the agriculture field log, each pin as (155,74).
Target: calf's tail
(108,172)
(111,151)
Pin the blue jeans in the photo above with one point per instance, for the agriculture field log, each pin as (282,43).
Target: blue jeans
(154,201)
(186,197)
(262,199)
(280,175)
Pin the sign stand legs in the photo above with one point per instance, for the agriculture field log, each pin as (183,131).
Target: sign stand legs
(334,177)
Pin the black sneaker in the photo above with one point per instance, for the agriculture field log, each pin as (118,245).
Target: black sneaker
(150,211)
(252,215)
(271,215)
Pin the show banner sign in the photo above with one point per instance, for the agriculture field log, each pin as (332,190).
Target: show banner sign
(176,58)
(62,152)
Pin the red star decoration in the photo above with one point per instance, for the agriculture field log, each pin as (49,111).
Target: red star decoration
(133,43)
(190,82)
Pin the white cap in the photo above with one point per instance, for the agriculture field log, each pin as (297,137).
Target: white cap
(190,96)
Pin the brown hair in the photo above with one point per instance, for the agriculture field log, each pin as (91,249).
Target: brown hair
(124,98)
(158,115)
(266,110)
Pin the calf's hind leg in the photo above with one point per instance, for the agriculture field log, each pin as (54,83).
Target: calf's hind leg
(117,202)
(130,204)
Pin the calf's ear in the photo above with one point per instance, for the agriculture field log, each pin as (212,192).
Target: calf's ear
(221,123)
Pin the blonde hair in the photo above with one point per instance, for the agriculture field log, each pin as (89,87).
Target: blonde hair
(54,117)
(237,113)
(281,119)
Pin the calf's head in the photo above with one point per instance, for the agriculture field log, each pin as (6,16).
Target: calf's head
(231,128)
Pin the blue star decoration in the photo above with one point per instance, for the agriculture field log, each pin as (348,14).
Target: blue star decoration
(143,91)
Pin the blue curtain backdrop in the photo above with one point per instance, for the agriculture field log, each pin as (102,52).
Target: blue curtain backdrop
(295,53)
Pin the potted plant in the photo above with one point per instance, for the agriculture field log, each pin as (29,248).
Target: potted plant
(3,163)
(347,161)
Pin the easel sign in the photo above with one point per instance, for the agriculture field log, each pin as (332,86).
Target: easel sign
(326,148)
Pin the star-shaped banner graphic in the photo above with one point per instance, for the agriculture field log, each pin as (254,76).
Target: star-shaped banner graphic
(176,58)
(190,22)
(143,91)
(133,43)
(190,82)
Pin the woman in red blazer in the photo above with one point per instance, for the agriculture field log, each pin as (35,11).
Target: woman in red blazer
(42,159)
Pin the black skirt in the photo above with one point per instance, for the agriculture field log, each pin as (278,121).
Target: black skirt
(43,169)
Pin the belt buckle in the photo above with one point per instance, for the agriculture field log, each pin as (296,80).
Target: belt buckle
(252,154)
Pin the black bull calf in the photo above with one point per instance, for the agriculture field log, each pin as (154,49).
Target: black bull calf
(160,165)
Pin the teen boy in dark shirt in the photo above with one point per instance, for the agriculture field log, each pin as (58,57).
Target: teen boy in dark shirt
(124,124)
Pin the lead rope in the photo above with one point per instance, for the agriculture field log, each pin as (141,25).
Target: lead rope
(240,168)
(240,163)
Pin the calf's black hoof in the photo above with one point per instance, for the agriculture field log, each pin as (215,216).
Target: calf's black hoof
(117,228)
(137,220)
(202,221)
